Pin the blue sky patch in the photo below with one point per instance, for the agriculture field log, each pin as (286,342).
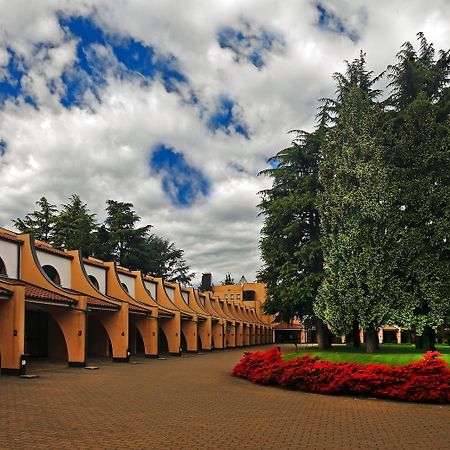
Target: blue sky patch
(11,80)
(3,146)
(227,117)
(100,53)
(330,21)
(248,44)
(181,182)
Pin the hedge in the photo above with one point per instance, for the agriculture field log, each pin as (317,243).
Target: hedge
(427,380)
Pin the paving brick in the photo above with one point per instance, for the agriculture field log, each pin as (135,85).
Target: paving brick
(192,403)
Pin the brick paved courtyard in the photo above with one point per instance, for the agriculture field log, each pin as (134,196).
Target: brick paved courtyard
(192,402)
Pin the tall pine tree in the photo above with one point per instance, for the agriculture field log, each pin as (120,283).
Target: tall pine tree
(74,226)
(40,222)
(420,138)
(290,238)
(359,221)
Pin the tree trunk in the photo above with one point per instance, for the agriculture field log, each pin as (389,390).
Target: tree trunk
(323,335)
(429,339)
(356,339)
(372,345)
(418,340)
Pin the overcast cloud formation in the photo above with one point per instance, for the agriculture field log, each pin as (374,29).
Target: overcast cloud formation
(175,106)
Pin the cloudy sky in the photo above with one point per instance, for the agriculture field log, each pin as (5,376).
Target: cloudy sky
(175,106)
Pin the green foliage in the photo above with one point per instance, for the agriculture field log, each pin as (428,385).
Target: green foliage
(228,280)
(74,227)
(125,242)
(163,259)
(40,222)
(422,166)
(118,238)
(290,247)
(382,200)
(359,222)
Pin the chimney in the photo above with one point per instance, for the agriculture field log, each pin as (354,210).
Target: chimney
(206,282)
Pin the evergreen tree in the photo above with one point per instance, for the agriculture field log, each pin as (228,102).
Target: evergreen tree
(359,221)
(101,246)
(164,260)
(420,136)
(228,280)
(40,222)
(124,241)
(290,238)
(74,227)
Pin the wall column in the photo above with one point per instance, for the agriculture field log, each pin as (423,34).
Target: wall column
(12,332)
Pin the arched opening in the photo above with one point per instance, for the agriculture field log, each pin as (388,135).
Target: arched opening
(3,272)
(52,273)
(98,343)
(199,344)
(43,336)
(94,281)
(124,287)
(136,343)
(163,345)
(183,343)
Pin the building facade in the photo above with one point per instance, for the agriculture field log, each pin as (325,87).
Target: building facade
(58,304)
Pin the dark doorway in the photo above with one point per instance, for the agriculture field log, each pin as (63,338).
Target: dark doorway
(163,345)
(98,341)
(43,336)
(183,343)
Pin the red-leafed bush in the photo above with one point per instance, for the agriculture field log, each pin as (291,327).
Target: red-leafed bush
(427,380)
(259,367)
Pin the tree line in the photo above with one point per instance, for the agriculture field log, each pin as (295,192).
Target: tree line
(357,221)
(118,238)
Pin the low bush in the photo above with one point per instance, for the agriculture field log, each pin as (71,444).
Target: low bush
(427,380)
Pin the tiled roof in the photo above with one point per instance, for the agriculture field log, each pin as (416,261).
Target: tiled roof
(95,262)
(9,235)
(5,292)
(125,271)
(50,249)
(34,292)
(138,309)
(94,301)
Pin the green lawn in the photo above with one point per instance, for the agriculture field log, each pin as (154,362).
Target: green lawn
(389,354)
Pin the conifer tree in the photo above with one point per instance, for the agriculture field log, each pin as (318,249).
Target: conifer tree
(40,222)
(290,238)
(74,227)
(228,280)
(420,138)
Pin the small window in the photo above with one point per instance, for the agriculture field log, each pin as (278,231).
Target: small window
(238,296)
(53,274)
(225,296)
(232,296)
(94,281)
(3,268)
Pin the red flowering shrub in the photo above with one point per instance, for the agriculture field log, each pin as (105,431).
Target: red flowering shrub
(259,367)
(427,380)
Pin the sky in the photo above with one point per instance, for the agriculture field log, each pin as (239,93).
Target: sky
(176,106)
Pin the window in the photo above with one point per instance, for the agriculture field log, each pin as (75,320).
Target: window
(249,295)
(232,296)
(94,281)
(53,274)
(238,296)
(225,296)
(3,268)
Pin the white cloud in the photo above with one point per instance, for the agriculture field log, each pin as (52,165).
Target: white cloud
(102,151)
